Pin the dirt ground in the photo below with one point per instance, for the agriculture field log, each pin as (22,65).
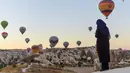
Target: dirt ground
(34,69)
(81,69)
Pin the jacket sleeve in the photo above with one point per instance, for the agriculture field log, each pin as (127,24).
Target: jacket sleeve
(97,33)
(109,36)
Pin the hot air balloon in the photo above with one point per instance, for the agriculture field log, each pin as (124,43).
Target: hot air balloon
(66,44)
(27,40)
(4,34)
(4,24)
(116,35)
(90,28)
(22,29)
(35,49)
(78,43)
(106,7)
(28,49)
(41,48)
(53,40)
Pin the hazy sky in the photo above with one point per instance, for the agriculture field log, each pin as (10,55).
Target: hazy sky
(67,19)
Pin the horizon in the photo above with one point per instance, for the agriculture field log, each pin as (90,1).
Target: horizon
(68,20)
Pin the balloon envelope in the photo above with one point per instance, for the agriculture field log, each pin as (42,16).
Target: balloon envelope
(106,7)
(4,24)
(78,43)
(66,44)
(53,40)
(35,49)
(27,40)
(28,49)
(22,29)
(90,28)
(116,35)
(4,34)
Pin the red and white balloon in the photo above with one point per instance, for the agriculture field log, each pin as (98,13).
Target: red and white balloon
(4,34)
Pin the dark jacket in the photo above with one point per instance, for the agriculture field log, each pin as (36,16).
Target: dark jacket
(103,36)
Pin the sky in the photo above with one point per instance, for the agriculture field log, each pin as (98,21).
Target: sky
(67,19)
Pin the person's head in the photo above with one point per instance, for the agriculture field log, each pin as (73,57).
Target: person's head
(100,23)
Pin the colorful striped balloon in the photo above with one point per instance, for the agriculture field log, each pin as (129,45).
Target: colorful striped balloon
(106,7)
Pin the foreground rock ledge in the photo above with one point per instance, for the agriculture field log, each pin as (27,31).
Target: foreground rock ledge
(34,69)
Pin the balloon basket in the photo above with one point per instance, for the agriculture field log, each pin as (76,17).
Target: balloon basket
(106,17)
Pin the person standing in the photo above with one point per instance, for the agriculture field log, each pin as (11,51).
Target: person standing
(102,44)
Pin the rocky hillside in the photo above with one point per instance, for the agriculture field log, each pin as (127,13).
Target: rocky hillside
(57,57)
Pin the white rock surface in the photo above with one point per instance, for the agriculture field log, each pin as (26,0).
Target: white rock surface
(120,70)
